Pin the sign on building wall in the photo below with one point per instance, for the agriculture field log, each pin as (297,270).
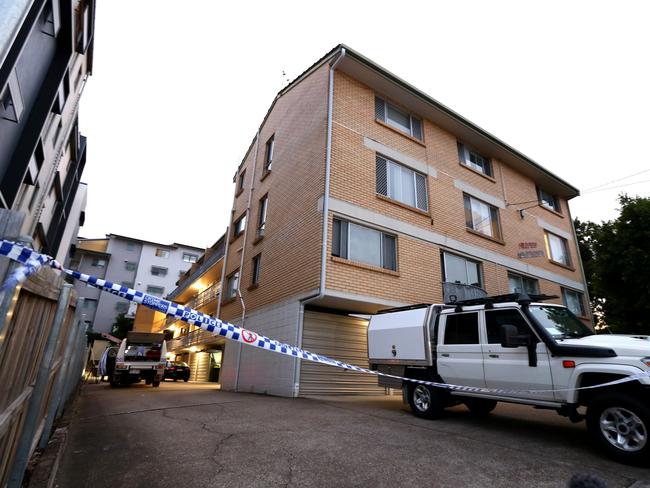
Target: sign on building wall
(528,249)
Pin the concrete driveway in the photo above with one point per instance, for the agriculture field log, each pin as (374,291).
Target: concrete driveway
(192,435)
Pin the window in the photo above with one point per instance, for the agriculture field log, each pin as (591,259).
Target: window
(162,253)
(458,269)
(232,283)
(155,290)
(522,284)
(557,249)
(240,181)
(573,301)
(98,263)
(190,258)
(128,284)
(462,328)
(398,118)
(473,159)
(401,183)
(84,27)
(482,217)
(90,304)
(158,271)
(11,100)
(548,200)
(255,276)
(122,307)
(494,319)
(130,246)
(268,154)
(261,220)
(362,244)
(239,226)
(130,265)
(51,18)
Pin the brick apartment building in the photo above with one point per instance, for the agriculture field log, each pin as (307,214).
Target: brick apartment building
(359,192)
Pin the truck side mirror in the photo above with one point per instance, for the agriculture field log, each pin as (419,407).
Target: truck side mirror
(510,337)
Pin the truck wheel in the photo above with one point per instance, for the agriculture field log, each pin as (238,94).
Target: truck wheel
(425,401)
(156,384)
(480,406)
(620,424)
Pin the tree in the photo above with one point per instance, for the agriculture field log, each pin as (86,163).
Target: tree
(121,326)
(616,258)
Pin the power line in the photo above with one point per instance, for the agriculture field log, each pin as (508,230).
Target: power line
(619,186)
(617,180)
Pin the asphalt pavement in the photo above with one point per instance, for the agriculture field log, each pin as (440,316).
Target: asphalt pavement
(193,435)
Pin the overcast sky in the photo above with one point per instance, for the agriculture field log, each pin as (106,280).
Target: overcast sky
(179,89)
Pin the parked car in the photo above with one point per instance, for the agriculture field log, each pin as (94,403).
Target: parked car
(177,370)
(528,352)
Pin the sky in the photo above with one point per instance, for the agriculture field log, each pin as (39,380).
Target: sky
(179,89)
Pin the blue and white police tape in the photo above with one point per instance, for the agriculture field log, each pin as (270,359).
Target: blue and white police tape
(33,260)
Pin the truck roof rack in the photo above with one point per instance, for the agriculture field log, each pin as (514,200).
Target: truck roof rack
(402,309)
(520,298)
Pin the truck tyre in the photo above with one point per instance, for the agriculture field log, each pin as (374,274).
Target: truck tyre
(480,407)
(156,384)
(425,401)
(620,425)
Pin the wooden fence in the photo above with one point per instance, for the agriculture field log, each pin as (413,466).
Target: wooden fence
(42,351)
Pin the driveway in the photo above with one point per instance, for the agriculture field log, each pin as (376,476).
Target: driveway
(192,435)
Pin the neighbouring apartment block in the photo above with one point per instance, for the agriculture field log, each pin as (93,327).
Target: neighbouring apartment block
(146,266)
(46,53)
(358,193)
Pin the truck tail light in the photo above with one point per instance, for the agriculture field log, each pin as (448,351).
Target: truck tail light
(646,361)
(120,366)
(568,363)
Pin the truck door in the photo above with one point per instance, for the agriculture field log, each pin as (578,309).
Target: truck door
(459,354)
(508,368)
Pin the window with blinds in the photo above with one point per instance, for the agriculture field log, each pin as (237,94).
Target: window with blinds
(482,217)
(398,118)
(401,183)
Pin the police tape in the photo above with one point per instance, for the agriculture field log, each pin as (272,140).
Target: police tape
(33,260)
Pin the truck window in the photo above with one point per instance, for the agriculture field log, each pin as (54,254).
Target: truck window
(494,319)
(462,329)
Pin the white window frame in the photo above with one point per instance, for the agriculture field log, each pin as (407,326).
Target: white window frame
(151,292)
(395,124)
(189,257)
(350,226)
(580,296)
(95,263)
(490,208)
(165,271)
(232,283)
(161,253)
(412,177)
(263,210)
(466,161)
(555,206)
(479,271)
(549,248)
(239,226)
(268,153)
(522,278)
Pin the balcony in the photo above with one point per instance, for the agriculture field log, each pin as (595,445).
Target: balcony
(194,337)
(203,299)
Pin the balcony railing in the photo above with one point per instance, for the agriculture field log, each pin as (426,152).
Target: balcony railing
(204,298)
(456,292)
(193,337)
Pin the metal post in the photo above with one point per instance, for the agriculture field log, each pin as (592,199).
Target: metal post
(31,420)
(56,403)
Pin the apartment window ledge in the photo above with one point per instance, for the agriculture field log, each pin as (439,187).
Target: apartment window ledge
(554,212)
(561,265)
(480,173)
(403,205)
(239,192)
(265,173)
(253,286)
(258,239)
(369,267)
(484,236)
(402,133)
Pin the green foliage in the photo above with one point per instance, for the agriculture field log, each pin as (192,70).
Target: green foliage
(616,258)
(121,326)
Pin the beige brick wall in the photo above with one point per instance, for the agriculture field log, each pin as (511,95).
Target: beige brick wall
(419,268)
(291,246)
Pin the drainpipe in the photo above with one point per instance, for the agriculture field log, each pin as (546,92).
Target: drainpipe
(326,205)
(243,252)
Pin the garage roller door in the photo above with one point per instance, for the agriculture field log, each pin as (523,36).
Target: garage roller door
(339,337)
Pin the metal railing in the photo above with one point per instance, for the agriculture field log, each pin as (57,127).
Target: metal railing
(192,338)
(455,292)
(204,298)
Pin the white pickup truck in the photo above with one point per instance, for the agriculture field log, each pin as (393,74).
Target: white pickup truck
(141,356)
(534,353)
